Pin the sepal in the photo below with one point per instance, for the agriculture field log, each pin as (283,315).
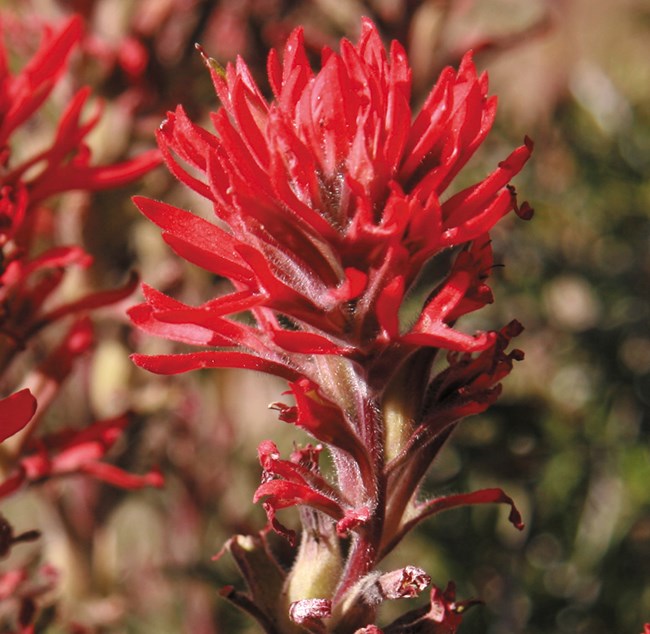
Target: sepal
(309,614)
(443,615)
(265,581)
(323,419)
(360,603)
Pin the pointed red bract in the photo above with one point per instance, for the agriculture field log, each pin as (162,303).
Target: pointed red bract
(15,412)
(322,419)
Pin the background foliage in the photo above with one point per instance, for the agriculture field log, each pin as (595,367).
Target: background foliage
(569,438)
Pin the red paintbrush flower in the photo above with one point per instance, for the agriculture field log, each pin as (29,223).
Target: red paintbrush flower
(330,200)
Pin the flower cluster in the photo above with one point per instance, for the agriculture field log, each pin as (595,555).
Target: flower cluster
(29,279)
(330,199)
(33,268)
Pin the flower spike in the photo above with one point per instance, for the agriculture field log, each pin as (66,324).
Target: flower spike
(329,201)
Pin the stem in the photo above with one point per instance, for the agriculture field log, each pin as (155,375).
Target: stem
(361,560)
(364,550)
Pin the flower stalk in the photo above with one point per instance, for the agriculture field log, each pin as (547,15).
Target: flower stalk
(330,199)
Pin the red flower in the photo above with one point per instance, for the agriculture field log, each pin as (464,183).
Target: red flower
(330,200)
(32,269)
(29,282)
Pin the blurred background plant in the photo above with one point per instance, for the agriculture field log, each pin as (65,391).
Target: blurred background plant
(568,439)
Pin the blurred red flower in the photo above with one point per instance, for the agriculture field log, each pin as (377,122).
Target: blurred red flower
(28,280)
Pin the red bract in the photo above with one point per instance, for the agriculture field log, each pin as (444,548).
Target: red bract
(65,165)
(74,452)
(15,412)
(68,452)
(330,200)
